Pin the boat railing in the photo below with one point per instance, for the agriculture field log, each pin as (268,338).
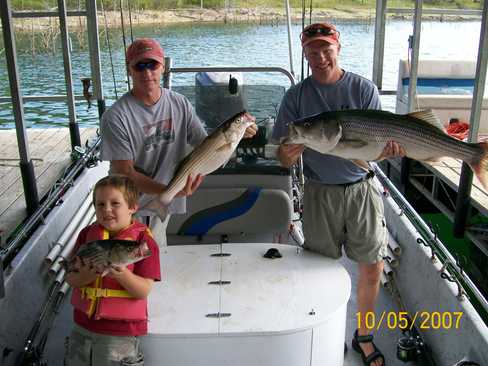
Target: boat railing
(171,70)
(450,264)
(86,158)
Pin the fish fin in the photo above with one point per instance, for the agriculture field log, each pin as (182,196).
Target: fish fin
(429,117)
(158,208)
(363,164)
(480,168)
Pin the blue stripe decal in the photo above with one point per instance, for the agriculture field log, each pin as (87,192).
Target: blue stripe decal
(201,222)
(441,82)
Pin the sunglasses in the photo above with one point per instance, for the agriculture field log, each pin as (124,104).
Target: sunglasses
(315,31)
(151,65)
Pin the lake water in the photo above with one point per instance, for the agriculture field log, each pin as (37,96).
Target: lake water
(193,45)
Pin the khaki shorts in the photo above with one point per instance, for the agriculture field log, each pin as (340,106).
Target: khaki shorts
(352,217)
(85,348)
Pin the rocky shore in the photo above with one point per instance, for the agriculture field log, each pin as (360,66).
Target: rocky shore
(258,15)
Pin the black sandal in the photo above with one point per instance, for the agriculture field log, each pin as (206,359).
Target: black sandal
(373,355)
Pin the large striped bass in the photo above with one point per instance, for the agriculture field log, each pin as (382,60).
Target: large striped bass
(363,134)
(212,153)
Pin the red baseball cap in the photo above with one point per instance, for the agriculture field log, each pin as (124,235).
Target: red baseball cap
(320,32)
(144,48)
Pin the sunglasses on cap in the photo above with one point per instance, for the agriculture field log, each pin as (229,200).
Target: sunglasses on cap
(151,65)
(319,31)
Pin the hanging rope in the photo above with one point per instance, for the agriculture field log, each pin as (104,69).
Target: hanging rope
(130,22)
(107,40)
(309,22)
(124,41)
(310,12)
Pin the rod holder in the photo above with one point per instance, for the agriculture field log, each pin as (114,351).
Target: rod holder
(74,134)
(30,187)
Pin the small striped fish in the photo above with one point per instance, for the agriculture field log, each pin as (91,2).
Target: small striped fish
(363,134)
(212,153)
(101,254)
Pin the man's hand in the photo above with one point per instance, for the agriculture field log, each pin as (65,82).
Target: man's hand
(288,154)
(191,185)
(392,150)
(252,129)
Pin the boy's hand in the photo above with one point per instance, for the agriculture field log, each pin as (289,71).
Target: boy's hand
(117,272)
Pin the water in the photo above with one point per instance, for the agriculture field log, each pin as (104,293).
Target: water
(194,44)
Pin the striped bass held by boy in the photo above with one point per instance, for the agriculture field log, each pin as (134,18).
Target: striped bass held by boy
(101,254)
(363,134)
(214,152)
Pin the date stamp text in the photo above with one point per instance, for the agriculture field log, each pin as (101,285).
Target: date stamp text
(405,320)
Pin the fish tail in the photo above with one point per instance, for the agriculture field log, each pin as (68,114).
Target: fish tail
(480,167)
(159,208)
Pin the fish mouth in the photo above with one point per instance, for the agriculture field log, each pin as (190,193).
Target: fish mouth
(143,250)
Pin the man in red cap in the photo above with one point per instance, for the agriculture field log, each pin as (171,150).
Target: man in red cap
(343,208)
(149,130)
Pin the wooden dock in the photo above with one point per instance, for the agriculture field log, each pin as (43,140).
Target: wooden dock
(439,183)
(449,170)
(50,151)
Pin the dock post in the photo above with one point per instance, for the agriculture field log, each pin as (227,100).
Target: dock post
(74,131)
(26,165)
(404,174)
(463,200)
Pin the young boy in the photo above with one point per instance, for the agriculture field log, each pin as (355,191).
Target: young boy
(110,311)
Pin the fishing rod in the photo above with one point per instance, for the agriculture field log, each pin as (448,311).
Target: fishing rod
(29,353)
(411,347)
(38,351)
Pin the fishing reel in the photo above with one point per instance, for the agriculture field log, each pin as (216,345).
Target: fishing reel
(409,348)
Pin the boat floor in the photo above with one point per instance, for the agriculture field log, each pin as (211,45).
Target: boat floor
(50,151)
(385,338)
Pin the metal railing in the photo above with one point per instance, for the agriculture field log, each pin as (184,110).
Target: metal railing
(436,245)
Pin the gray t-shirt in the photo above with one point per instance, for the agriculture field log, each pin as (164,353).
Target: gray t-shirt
(155,137)
(310,97)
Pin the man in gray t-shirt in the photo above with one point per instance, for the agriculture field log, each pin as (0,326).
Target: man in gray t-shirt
(149,130)
(342,208)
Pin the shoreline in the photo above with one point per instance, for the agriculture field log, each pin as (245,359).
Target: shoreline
(225,16)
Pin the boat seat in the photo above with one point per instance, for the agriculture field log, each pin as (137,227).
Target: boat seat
(233,214)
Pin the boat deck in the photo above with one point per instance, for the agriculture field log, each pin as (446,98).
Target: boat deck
(50,151)
(385,337)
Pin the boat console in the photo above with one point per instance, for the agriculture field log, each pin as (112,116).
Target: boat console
(226,304)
